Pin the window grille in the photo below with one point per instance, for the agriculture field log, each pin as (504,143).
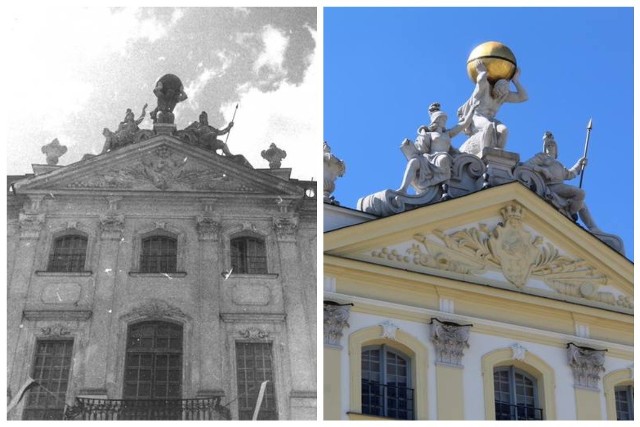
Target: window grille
(248,255)
(159,255)
(516,395)
(624,402)
(153,366)
(51,367)
(68,254)
(386,388)
(254,365)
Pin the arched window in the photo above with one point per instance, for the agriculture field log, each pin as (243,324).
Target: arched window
(516,395)
(153,365)
(248,255)
(159,254)
(68,254)
(386,390)
(624,402)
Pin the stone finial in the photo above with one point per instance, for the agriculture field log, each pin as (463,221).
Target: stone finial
(586,364)
(54,151)
(449,339)
(333,169)
(274,156)
(335,320)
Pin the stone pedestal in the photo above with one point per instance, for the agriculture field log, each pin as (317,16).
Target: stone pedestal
(500,165)
(164,128)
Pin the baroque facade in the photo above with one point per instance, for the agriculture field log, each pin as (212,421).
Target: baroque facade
(161,280)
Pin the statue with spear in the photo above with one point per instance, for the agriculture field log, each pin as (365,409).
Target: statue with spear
(553,173)
(207,135)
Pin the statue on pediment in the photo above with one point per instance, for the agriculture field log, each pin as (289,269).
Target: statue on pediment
(126,133)
(430,157)
(169,91)
(202,133)
(554,174)
(485,130)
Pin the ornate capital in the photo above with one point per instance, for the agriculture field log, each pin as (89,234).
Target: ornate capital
(449,339)
(253,333)
(208,228)
(335,320)
(111,226)
(285,227)
(586,364)
(30,225)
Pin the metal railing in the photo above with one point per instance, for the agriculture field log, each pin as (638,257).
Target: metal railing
(147,409)
(507,411)
(387,400)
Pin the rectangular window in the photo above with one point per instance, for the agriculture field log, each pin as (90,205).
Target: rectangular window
(255,365)
(159,255)
(624,403)
(248,255)
(51,367)
(68,254)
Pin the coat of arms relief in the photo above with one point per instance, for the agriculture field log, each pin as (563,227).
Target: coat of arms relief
(512,250)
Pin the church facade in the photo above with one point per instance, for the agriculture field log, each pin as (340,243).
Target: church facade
(488,305)
(161,280)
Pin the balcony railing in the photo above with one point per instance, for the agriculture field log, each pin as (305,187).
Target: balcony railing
(506,411)
(387,400)
(152,409)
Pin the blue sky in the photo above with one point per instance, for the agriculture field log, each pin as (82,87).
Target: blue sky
(384,66)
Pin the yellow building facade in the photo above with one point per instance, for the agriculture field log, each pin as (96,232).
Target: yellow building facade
(489,306)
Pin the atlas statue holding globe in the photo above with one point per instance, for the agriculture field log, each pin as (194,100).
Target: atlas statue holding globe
(169,91)
(491,65)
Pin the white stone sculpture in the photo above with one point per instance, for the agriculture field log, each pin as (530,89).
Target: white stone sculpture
(333,169)
(429,157)
(485,130)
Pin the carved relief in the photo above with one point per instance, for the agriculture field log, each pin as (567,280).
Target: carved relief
(208,228)
(335,320)
(156,308)
(512,250)
(518,352)
(253,333)
(586,364)
(30,225)
(449,339)
(389,330)
(161,169)
(57,329)
(111,226)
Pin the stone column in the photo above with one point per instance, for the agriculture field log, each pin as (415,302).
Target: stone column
(449,340)
(303,373)
(30,226)
(586,364)
(101,333)
(336,318)
(208,331)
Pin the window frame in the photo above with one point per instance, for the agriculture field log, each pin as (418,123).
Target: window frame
(244,237)
(164,230)
(628,390)
(512,372)
(270,390)
(151,259)
(383,372)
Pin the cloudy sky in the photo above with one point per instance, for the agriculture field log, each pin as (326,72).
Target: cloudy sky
(74,71)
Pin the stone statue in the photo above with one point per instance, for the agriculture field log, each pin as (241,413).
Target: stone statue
(485,130)
(274,156)
(169,91)
(333,169)
(430,157)
(126,132)
(54,150)
(554,174)
(207,135)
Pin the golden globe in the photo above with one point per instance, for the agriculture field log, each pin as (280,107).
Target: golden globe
(498,58)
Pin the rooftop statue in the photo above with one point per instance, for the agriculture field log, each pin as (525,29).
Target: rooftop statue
(169,91)
(492,76)
(430,158)
(206,135)
(554,174)
(274,156)
(126,133)
(333,169)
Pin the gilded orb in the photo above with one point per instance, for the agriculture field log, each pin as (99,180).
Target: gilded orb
(498,58)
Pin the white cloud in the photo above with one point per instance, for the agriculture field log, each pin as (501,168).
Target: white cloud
(288,117)
(275,45)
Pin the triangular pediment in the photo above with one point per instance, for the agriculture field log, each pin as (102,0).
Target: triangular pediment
(160,164)
(504,237)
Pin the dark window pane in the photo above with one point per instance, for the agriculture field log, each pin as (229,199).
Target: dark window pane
(68,254)
(248,255)
(159,255)
(253,362)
